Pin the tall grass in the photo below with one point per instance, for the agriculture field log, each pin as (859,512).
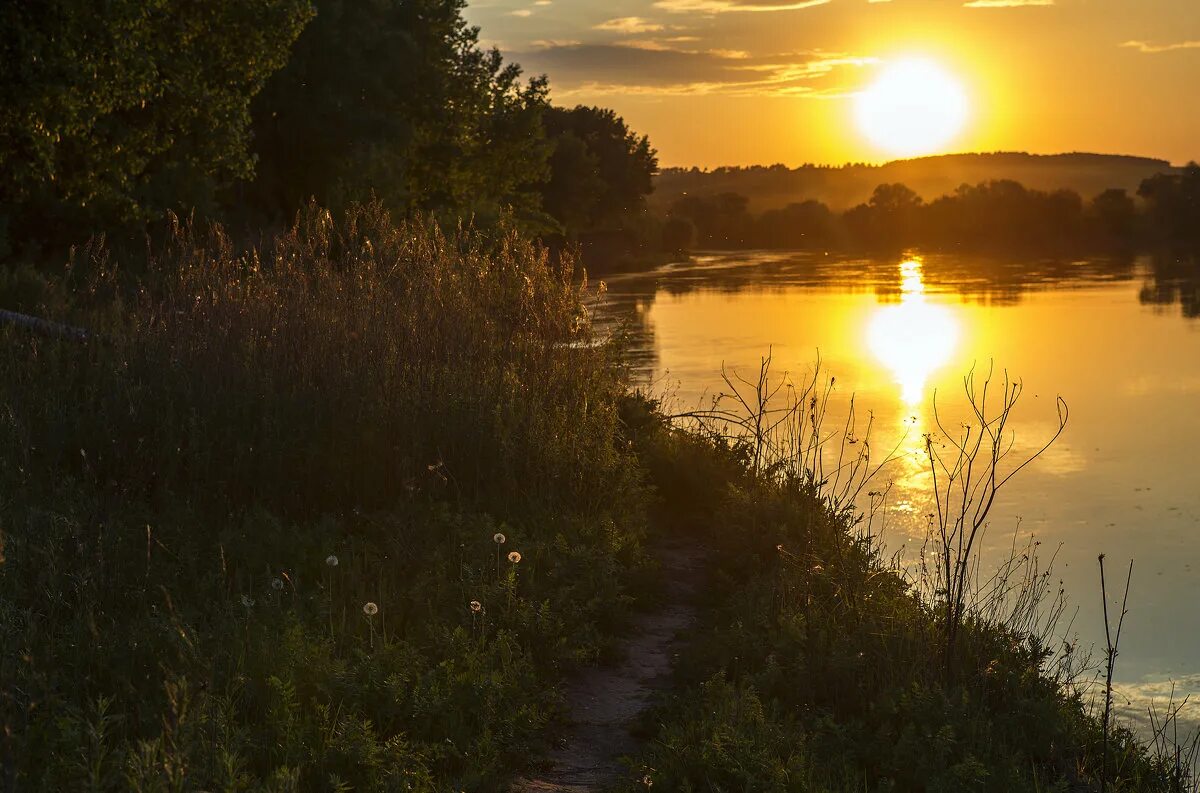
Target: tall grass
(821,665)
(197,506)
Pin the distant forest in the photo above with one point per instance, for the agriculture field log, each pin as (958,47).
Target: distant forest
(845,186)
(1161,211)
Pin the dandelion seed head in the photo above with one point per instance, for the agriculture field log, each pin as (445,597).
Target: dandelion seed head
(331,560)
(498,538)
(370,609)
(514,557)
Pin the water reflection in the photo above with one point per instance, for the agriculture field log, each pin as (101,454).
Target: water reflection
(1121,481)
(913,338)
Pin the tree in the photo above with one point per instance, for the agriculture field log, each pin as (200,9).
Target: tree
(1173,206)
(721,221)
(888,219)
(807,224)
(1114,216)
(395,98)
(600,170)
(678,234)
(112,112)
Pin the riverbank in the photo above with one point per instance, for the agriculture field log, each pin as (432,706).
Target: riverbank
(351,509)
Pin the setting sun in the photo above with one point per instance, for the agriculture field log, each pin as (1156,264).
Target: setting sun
(914,107)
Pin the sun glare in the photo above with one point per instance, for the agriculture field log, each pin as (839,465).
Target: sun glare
(913,338)
(914,107)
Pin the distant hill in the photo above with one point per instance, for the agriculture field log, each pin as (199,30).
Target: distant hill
(840,187)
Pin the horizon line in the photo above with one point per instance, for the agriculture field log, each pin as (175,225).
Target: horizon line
(884,163)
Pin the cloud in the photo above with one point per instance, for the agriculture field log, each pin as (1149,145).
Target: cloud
(659,67)
(629,25)
(728,6)
(1006,3)
(1148,47)
(520,12)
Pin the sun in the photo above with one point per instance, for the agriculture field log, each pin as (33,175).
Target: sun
(914,107)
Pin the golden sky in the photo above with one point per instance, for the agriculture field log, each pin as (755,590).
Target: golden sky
(740,82)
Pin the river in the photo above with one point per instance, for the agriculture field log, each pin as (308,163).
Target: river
(1118,340)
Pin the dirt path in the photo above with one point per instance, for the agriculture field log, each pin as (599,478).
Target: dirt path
(604,702)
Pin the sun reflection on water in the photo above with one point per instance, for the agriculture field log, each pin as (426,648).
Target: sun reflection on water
(913,338)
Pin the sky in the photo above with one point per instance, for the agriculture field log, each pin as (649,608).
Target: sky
(743,82)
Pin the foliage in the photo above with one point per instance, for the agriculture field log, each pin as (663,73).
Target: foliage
(395,99)
(600,170)
(198,507)
(1174,206)
(112,113)
(818,667)
(999,215)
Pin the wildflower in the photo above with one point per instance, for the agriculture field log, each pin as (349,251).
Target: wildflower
(779,547)
(647,781)
(276,584)
(476,605)
(331,560)
(498,538)
(247,601)
(370,609)
(514,557)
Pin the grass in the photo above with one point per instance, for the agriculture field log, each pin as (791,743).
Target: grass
(342,511)
(820,665)
(378,393)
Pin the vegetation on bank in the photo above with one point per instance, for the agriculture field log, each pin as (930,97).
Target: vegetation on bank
(242,111)
(819,666)
(342,512)
(996,215)
(337,512)
(338,502)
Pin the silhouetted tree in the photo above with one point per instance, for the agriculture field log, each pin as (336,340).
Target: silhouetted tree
(678,234)
(112,112)
(1173,206)
(807,224)
(721,221)
(1113,217)
(888,220)
(395,98)
(600,170)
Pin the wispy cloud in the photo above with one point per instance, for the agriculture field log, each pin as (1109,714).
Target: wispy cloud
(730,6)
(1149,47)
(1006,3)
(629,25)
(668,67)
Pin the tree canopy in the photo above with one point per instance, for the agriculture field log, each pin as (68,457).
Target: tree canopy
(396,98)
(600,169)
(112,112)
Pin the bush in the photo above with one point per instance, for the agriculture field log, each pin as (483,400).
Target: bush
(199,505)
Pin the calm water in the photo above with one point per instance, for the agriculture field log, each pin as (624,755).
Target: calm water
(1119,341)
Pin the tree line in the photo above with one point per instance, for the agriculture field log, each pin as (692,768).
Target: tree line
(992,215)
(113,114)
